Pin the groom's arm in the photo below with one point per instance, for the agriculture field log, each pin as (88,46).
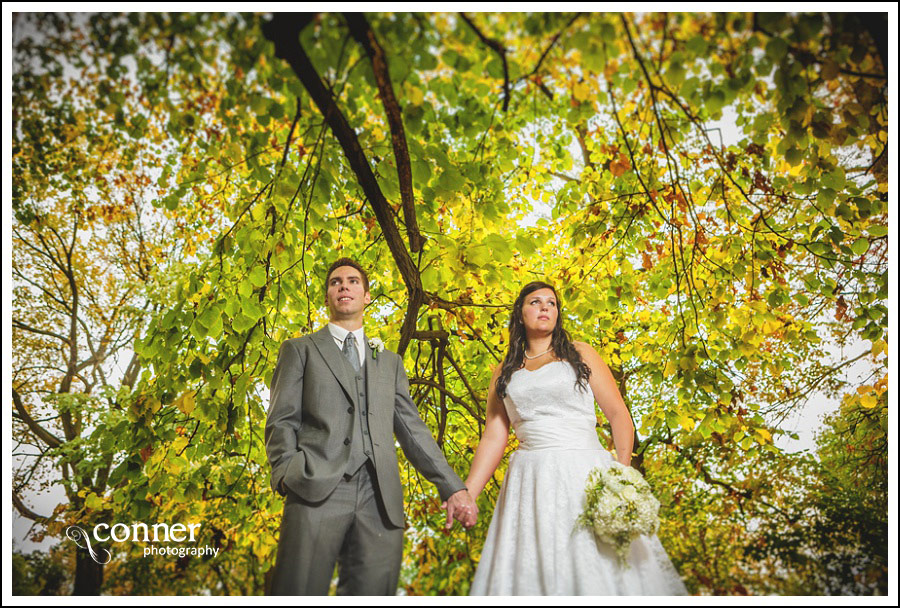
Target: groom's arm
(417,442)
(283,418)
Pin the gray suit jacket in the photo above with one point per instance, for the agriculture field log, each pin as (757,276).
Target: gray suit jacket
(312,411)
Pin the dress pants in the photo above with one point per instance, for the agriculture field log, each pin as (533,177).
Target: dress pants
(349,527)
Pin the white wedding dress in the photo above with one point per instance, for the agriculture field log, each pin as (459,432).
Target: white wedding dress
(534,545)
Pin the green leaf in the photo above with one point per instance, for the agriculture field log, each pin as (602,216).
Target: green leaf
(715,101)
(499,248)
(793,156)
(92,501)
(834,179)
(860,246)
(258,276)
(697,45)
(776,49)
(825,196)
(245,288)
(259,105)
(608,32)
(675,74)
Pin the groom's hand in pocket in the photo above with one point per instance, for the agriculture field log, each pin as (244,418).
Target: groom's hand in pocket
(462,508)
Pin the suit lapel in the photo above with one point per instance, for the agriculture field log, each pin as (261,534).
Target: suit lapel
(336,361)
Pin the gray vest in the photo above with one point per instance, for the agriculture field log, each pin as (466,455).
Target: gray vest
(361,445)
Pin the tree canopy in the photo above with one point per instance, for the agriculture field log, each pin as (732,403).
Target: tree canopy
(182,181)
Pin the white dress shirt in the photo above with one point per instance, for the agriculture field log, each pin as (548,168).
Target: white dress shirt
(340,334)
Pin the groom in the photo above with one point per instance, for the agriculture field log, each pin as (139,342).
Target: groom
(336,406)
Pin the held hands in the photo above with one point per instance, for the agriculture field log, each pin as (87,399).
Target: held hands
(461,507)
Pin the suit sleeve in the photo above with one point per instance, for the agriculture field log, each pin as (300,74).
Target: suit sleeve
(417,442)
(285,408)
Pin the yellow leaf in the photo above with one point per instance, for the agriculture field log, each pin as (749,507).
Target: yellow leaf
(670,369)
(868,401)
(92,501)
(764,435)
(415,95)
(179,444)
(770,326)
(186,402)
(580,91)
(173,464)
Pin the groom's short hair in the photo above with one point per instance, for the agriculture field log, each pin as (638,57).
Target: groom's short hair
(346,262)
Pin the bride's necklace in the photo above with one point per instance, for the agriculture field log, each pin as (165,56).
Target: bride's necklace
(527,356)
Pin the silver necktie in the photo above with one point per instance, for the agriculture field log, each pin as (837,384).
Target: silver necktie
(351,351)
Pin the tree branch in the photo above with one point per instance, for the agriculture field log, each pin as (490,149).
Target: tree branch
(284,31)
(42,433)
(363,33)
(500,50)
(26,512)
(287,143)
(550,47)
(708,478)
(19,325)
(444,390)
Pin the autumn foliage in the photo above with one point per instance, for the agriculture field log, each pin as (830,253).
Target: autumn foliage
(708,191)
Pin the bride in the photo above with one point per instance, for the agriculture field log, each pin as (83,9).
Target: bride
(546,389)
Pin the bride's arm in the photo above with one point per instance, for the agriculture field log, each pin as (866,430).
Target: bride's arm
(607,395)
(493,441)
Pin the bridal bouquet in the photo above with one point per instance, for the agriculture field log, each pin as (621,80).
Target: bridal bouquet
(619,507)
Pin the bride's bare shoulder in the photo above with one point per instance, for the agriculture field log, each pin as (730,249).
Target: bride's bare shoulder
(588,353)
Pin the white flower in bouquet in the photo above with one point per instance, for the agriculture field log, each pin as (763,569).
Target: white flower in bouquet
(632,474)
(609,502)
(619,507)
(615,486)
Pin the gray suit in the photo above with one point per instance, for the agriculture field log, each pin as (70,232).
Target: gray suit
(332,513)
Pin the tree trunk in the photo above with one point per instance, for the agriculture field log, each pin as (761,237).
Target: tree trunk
(88,574)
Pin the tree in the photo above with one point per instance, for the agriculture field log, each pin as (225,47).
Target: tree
(455,156)
(86,248)
(39,573)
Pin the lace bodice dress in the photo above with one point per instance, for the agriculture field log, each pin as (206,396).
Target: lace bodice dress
(534,545)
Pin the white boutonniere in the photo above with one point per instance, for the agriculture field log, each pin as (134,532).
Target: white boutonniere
(377,346)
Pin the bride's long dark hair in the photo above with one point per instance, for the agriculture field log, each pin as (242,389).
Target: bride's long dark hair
(560,342)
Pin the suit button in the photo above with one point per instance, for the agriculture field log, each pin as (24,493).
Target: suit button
(362,394)
(349,410)
(347,441)
(359,377)
(364,412)
(365,432)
